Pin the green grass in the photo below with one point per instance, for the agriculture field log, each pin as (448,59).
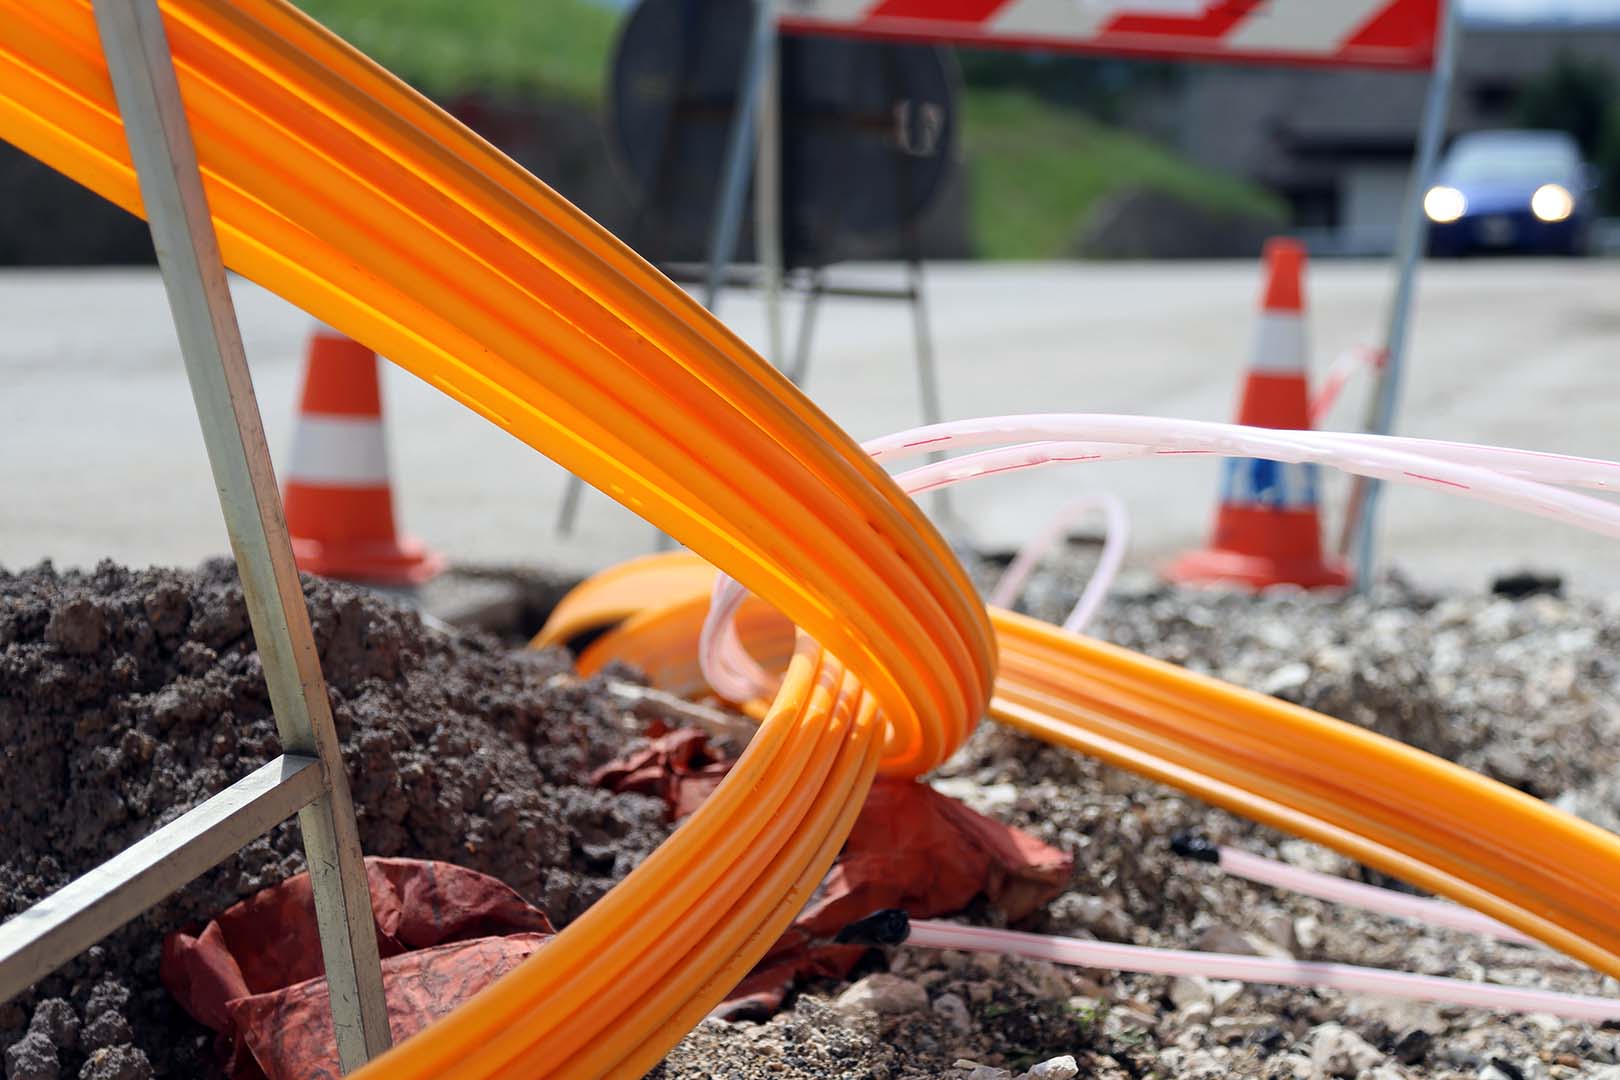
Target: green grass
(1036,170)
(553,47)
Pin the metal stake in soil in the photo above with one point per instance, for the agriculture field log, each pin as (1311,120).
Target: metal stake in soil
(148,94)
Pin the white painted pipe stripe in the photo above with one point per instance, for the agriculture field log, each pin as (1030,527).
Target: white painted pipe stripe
(338,451)
(1307,26)
(1279,345)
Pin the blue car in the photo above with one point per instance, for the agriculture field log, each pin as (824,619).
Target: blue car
(1511,191)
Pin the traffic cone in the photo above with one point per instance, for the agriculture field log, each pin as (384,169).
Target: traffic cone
(339,505)
(1266,530)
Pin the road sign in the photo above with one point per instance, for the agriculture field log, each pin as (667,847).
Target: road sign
(867,132)
(1352,33)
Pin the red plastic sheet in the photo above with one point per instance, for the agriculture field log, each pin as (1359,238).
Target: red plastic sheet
(254,974)
(911,848)
(677,767)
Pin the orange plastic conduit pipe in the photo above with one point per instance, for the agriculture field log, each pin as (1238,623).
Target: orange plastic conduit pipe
(1379,801)
(337,187)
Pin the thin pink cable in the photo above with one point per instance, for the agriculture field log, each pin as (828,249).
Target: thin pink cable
(1421,461)
(1259,969)
(1564,469)
(1337,890)
(1116,531)
(1058,438)
(1506,477)
(728,667)
(1513,478)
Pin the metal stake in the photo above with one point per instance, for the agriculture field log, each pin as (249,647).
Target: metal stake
(739,150)
(165,158)
(569,510)
(927,376)
(1361,509)
(768,188)
(800,371)
(740,142)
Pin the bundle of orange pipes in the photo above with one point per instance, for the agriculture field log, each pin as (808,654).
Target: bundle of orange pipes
(334,185)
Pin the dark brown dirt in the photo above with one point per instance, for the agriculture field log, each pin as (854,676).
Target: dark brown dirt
(128,697)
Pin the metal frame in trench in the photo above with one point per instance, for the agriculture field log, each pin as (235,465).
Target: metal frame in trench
(308,779)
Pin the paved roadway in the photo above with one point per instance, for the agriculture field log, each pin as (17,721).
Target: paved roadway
(100,455)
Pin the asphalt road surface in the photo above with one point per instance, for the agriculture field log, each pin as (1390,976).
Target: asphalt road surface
(100,453)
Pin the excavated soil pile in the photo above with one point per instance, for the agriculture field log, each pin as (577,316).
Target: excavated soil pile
(128,697)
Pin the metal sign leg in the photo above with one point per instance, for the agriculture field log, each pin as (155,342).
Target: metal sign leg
(1359,535)
(754,131)
(165,158)
(569,510)
(739,152)
(800,370)
(768,189)
(927,375)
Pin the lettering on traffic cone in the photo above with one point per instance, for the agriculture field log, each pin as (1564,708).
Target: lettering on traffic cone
(1267,530)
(338,500)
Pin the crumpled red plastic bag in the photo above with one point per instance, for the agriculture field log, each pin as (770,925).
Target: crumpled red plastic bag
(254,974)
(911,848)
(677,767)
(916,849)
(287,1034)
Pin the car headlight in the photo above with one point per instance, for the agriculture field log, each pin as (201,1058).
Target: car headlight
(1445,204)
(1552,202)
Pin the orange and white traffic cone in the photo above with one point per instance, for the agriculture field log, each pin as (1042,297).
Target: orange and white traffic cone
(338,501)
(1267,531)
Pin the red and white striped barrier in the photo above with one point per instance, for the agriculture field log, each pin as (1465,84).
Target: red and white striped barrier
(1351,33)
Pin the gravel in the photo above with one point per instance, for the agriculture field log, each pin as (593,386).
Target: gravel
(128,697)
(1522,690)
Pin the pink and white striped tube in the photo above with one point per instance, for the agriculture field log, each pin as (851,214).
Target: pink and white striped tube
(1338,890)
(1199,436)
(1515,479)
(727,666)
(1103,955)
(1115,537)
(1348,362)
